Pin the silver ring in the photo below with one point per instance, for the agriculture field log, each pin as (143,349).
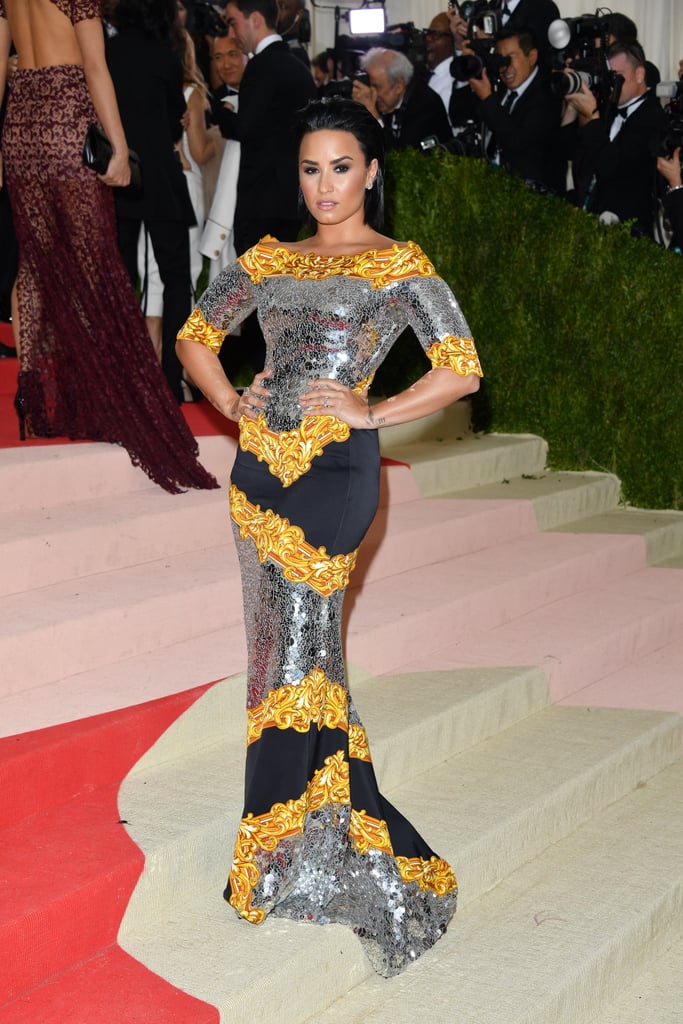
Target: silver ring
(325,402)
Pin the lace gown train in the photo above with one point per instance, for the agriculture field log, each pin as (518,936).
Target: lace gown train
(87,366)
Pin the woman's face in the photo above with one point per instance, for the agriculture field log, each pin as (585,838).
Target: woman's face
(333,176)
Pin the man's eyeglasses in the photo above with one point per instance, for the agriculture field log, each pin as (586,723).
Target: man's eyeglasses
(435,34)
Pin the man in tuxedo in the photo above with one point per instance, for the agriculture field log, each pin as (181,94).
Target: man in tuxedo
(617,149)
(439,47)
(274,86)
(670,169)
(293,24)
(525,117)
(407,108)
(535,15)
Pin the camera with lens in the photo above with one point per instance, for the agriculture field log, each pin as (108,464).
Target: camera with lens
(673,137)
(484,56)
(583,42)
(481,17)
(204,20)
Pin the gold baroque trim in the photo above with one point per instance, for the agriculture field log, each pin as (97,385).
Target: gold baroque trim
(434,874)
(275,538)
(457,354)
(314,699)
(196,328)
(358,743)
(290,453)
(329,785)
(379,266)
(369,833)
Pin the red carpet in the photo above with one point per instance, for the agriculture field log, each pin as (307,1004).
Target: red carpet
(203,420)
(61,818)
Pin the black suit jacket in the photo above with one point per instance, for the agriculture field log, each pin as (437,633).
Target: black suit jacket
(536,15)
(420,115)
(529,137)
(274,86)
(673,207)
(625,169)
(148,80)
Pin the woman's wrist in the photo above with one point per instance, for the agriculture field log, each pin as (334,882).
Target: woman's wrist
(673,188)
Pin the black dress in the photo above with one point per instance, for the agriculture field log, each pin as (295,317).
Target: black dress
(317,840)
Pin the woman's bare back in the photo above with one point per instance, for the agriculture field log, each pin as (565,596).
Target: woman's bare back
(42,32)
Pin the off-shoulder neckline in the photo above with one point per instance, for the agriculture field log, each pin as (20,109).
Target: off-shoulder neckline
(271,244)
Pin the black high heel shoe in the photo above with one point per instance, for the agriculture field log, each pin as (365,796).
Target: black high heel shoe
(21,415)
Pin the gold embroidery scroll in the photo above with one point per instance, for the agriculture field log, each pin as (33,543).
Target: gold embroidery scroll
(358,743)
(369,833)
(196,328)
(275,538)
(289,454)
(434,874)
(457,354)
(329,785)
(313,700)
(379,266)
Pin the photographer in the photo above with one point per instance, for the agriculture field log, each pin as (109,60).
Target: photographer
(535,15)
(614,150)
(525,117)
(670,169)
(407,108)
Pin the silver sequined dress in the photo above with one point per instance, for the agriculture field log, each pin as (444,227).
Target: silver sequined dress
(317,840)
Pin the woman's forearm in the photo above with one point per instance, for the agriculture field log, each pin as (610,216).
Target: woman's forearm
(100,86)
(437,389)
(205,370)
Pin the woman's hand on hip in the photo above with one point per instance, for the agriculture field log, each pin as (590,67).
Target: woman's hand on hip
(253,400)
(326,397)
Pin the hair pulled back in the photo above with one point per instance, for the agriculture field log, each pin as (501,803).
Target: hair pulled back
(338,114)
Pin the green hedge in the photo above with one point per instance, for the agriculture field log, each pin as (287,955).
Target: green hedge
(579,328)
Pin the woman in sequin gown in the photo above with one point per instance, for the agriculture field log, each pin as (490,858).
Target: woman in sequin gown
(317,840)
(87,366)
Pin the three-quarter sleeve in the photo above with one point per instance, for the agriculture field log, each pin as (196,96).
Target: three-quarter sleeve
(433,312)
(226,303)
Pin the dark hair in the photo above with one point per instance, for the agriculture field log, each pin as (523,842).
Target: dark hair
(156,18)
(525,37)
(338,114)
(266,8)
(622,28)
(634,53)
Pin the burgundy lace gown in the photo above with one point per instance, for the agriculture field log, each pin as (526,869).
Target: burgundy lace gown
(87,365)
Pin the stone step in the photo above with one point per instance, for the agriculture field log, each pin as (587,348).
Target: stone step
(561,938)
(581,639)
(51,475)
(392,620)
(173,668)
(662,530)
(655,996)
(85,624)
(450,424)
(489,810)
(445,465)
(558,498)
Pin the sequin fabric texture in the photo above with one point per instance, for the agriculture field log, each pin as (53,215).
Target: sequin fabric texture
(317,840)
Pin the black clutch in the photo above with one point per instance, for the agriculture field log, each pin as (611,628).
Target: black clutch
(97,154)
